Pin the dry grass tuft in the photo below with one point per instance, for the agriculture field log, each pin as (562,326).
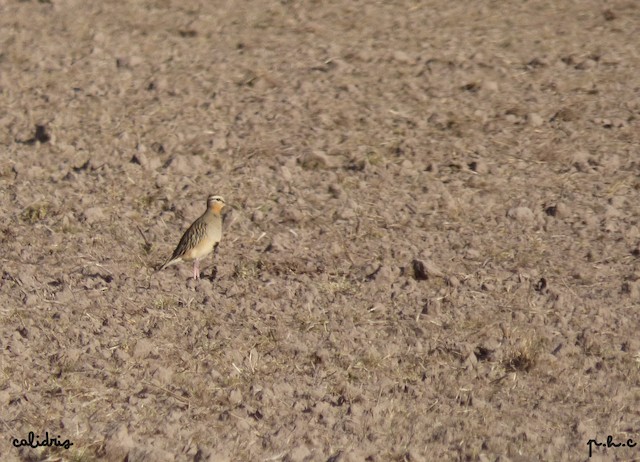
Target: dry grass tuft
(35,213)
(523,357)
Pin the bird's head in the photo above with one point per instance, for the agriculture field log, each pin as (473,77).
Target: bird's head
(215,203)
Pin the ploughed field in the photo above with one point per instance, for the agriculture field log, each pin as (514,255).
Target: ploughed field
(432,251)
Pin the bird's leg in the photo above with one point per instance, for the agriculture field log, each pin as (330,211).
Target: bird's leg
(196,269)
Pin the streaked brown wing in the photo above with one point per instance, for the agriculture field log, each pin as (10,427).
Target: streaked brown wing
(190,238)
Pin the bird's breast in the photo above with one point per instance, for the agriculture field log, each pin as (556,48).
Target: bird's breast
(214,230)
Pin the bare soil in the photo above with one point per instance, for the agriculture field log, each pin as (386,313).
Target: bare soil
(433,251)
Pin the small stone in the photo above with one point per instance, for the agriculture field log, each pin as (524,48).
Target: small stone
(162,375)
(401,57)
(512,118)
(162,181)
(185,165)
(536,63)
(336,249)
(479,166)
(407,164)
(93,215)
(336,191)
(562,211)
(140,159)
(586,64)
(346,213)
(440,121)
(118,444)
(30,300)
(580,161)
(382,275)
(204,454)
(487,287)
(490,85)
(422,269)
(285,173)
(535,120)
(315,160)
(565,114)
(521,214)
(235,397)
(299,454)
(322,355)
(120,356)
(471,361)
(453,281)
(257,216)
(142,349)
(617,122)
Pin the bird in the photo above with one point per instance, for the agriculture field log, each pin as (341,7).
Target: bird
(201,238)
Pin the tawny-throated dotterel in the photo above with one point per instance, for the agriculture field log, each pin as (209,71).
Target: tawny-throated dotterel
(201,238)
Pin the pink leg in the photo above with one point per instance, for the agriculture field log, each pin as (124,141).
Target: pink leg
(196,269)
